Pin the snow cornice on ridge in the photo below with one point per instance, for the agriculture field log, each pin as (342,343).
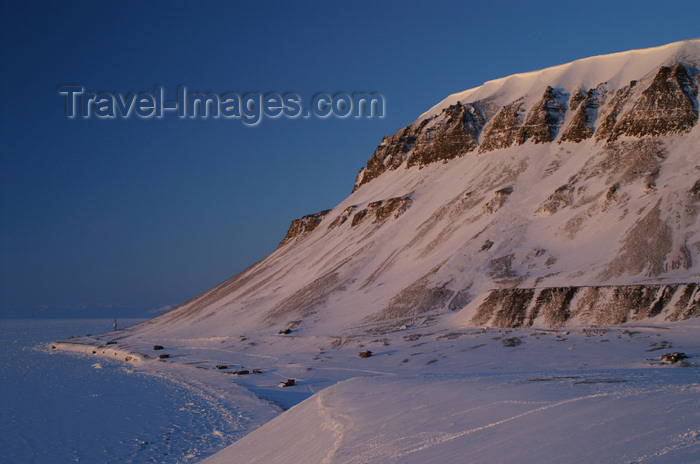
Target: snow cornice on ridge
(616,69)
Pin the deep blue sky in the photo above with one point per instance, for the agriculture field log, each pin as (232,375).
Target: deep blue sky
(137,214)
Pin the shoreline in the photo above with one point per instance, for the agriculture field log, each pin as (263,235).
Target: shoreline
(67,403)
(422,352)
(241,403)
(164,368)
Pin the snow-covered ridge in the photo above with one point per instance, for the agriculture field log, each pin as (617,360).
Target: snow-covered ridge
(643,92)
(616,69)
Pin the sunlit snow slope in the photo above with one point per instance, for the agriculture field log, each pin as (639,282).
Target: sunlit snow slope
(518,419)
(562,196)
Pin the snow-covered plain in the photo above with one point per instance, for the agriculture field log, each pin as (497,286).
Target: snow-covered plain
(59,408)
(598,417)
(438,391)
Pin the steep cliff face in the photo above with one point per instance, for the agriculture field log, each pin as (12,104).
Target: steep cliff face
(390,154)
(582,124)
(669,105)
(451,136)
(564,196)
(503,130)
(382,209)
(662,104)
(558,307)
(543,120)
(302,226)
(454,133)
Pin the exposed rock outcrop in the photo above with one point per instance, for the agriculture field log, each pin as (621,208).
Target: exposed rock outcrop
(610,114)
(454,134)
(543,120)
(667,106)
(576,100)
(416,299)
(561,198)
(695,190)
(344,216)
(582,124)
(646,249)
(503,129)
(662,105)
(383,209)
(558,306)
(302,226)
(390,154)
(498,200)
(504,308)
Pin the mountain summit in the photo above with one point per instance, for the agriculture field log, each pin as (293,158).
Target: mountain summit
(563,196)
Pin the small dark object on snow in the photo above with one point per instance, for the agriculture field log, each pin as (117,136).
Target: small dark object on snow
(513,341)
(164,356)
(158,347)
(242,372)
(673,357)
(53,347)
(288,383)
(366,354)
(487,245)
(257,371)
(285,331)
(221,366)
(111,343)
(93,351)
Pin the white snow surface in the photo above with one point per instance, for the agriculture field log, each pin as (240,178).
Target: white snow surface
(441,391)
(576,419)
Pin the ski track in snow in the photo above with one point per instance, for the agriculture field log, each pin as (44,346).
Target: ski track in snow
(684,441)
(334,421)
(446,437)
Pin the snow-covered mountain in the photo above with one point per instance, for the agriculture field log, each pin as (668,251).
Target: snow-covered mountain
(554,199)
(561,196)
